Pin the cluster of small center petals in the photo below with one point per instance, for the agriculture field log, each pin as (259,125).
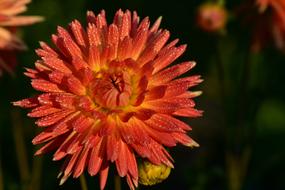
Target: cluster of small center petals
(9,21)
(109,96)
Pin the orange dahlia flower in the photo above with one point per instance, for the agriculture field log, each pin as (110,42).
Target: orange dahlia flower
(109,96)
(9,21)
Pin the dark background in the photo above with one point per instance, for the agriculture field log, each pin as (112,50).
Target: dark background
(241,134)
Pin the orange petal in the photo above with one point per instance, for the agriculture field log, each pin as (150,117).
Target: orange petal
(27,103)
(79,33)
(184,139)
(95,160)
(113,148)
(53,118)
(81,163)
(67,43)
(45,86)
(122,162)
(57,64)
(74,86)
(170,73)
(144,114)
(156,93)
(165,59)
(50,146)
(161,106)
(140,38)
(82,123)
(103,177)
(43,111)
(69,167)
(188,112)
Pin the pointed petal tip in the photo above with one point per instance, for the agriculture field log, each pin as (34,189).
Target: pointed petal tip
(30,114)
(103,177)
(74,21)
(19,103)
(193,63)
(63,179)
(39,19)
(59,175)
(189,65)
(197,93)
(42,44)
(37,153)
(60,29)
(15,103)
(199,80)
(193,144)
(34,142)
(170,164)
(183,47)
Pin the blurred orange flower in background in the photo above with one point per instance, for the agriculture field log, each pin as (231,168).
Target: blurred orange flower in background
(109,96)
(9,21)
(212,17)
(268,20)
(276,11)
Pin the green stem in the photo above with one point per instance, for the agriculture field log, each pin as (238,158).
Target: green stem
(36,173)
(245,79)
(20,147)
(83,182)
(238,156)
(221,72)
(237,168)
(1,173)
(117,182)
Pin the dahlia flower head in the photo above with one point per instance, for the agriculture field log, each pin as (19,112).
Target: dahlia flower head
(108,96)
(9,21)
(268,23)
